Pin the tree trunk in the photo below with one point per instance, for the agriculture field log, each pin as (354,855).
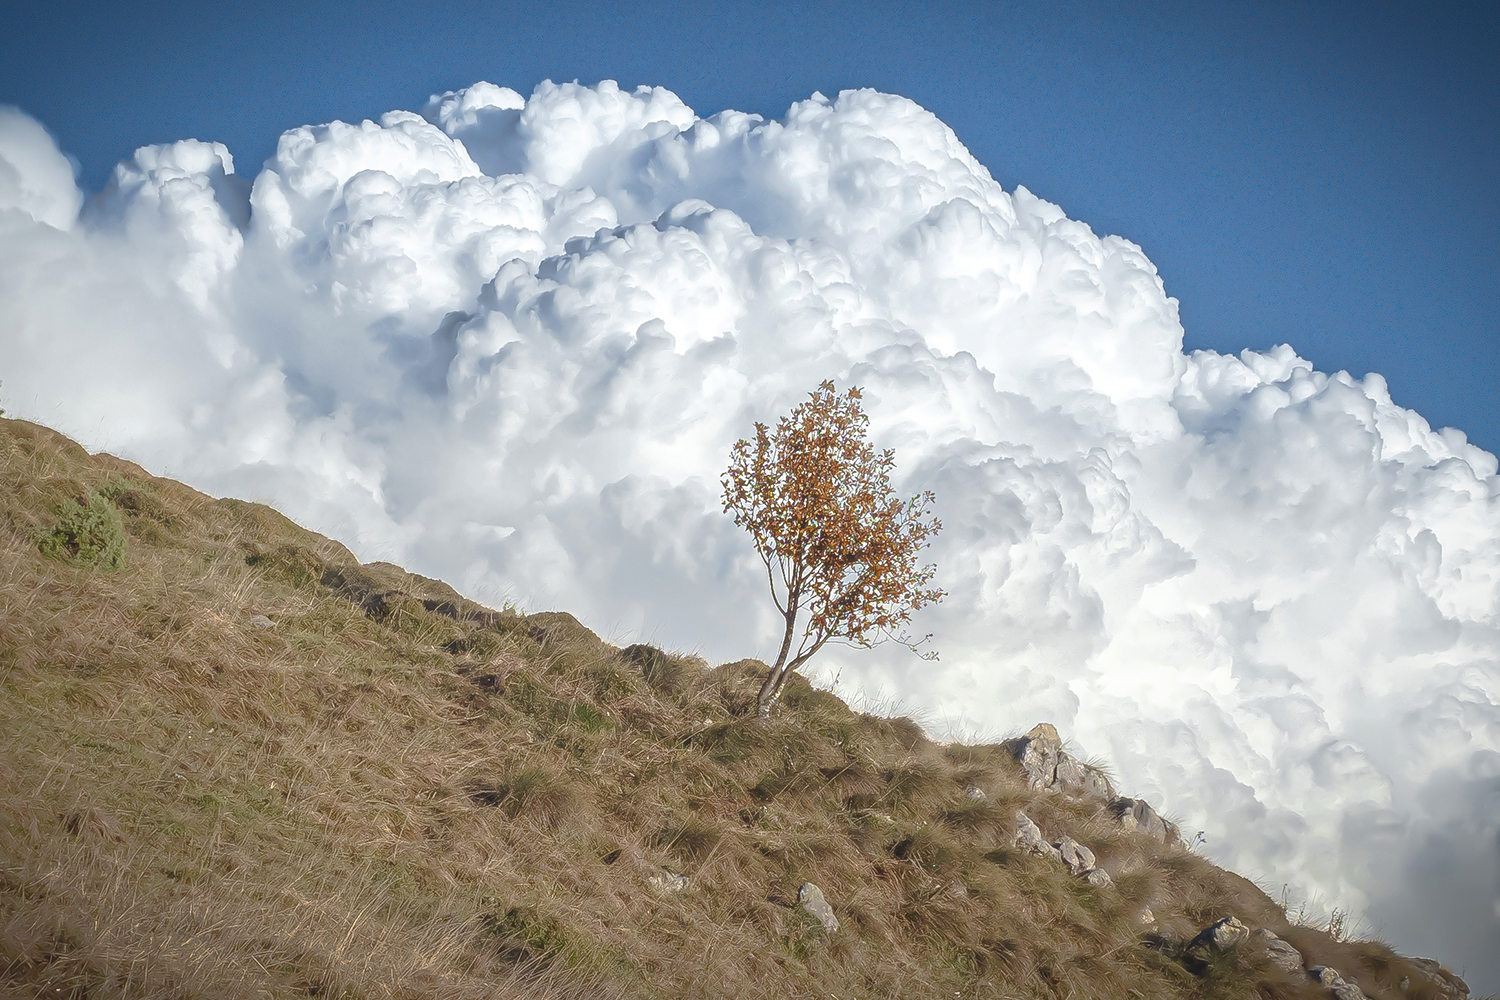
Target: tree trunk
(770,688)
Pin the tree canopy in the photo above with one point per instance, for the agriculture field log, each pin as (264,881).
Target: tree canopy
(836,542)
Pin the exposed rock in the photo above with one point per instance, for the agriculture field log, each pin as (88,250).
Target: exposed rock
(975,794)
(1282,954)
(1146,917)
(1221,935)
(669,882)
(1099,879)
(1077,857)
(811,899)
(1137,815)
(1446,983)
(1037,752)
(1336,984)
(261,621)
(1079,779)
(1029,838)
(1047,765)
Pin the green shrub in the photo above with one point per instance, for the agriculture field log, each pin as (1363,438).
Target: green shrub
(89,532)
(526,934)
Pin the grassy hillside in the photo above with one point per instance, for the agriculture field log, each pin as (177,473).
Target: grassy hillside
(238,763)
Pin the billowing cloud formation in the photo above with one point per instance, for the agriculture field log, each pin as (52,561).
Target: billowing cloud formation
(510,341)
(34,176)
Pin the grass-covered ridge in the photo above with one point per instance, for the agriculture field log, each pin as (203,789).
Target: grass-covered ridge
(239,763)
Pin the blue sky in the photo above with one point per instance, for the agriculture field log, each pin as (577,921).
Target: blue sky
(1321,175)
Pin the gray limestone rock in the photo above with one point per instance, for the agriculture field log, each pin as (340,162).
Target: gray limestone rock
(1221,935)
(1037,753)
(1077,857)
(975,794)
(811,899)
(1099,879)
(1336,983)
(669,882)
(261,621)
(1447,984)
(1047,765)
(1029,838)
(1283,955)
(1079,779)
(1137,814)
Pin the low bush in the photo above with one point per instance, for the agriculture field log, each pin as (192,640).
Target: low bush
(89,531)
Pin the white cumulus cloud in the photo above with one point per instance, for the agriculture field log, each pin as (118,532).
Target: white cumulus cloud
(510,341)
(35,177)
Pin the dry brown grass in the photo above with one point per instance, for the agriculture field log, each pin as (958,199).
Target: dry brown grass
(390,791)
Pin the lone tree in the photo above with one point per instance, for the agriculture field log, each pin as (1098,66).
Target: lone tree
(836,541)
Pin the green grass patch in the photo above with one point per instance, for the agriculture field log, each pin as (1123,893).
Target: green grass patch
(88,531)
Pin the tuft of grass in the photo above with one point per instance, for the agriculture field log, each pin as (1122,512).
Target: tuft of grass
(667,674)
(538,794)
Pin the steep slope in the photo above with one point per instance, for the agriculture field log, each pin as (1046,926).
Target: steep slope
(237,762)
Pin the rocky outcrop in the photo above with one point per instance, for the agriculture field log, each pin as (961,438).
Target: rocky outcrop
(1079,859)
(1228,933)
(1048,767)
(1137,815)
(1444,982)
(1029,838)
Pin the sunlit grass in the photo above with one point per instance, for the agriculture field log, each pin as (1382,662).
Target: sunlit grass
(237,763)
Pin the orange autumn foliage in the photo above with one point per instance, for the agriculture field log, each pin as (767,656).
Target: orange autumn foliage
(836,542)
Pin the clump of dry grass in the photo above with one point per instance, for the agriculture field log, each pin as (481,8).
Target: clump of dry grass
(243,764)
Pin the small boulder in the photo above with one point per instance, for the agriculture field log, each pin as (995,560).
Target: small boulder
(1137,815)
(261,621)
(811,899)
(670,883)
(1336,984)
(1029,837)
(1077,857)
(1221,935)
(1099,879)
(975,794)
(1146,917)
(1282,954)
(1446,983)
